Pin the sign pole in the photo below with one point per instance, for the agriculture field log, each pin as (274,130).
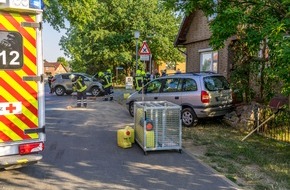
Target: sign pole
(150,64)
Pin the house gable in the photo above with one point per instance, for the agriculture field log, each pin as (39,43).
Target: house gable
(194,28)
(194,34)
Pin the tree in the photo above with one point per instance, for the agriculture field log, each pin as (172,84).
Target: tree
(101,33)
(259,26)
(62,61)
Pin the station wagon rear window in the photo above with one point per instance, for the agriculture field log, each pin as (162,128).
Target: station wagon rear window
(189,85)
(215,83)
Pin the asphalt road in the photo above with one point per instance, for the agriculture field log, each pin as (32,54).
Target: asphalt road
(81,153)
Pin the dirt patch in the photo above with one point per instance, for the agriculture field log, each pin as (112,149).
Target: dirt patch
(198,151)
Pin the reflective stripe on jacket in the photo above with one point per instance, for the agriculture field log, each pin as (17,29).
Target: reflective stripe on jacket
(107,83)
(138,82)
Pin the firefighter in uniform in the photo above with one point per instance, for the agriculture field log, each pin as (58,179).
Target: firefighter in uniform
(110,79)
(49,80)
(147,78)
(138,80)
(109,73)
(107,85)
(80,87)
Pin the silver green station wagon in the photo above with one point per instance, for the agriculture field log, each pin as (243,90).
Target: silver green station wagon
(200,95)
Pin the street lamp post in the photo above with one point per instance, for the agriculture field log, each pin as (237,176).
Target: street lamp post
(136,35)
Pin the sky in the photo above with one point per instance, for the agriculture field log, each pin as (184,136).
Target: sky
(51,38)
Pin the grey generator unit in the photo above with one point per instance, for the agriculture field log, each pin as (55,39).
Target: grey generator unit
(157,125)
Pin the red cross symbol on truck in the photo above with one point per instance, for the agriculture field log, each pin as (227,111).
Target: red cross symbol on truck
(10,108)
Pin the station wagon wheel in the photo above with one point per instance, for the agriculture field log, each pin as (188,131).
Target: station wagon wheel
(188,117)
(131,109)
(95,91)
(59,90)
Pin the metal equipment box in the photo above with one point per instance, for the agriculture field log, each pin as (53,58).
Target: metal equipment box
(157,125)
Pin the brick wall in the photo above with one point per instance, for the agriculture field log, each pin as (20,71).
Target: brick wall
(198,39)
(199,30)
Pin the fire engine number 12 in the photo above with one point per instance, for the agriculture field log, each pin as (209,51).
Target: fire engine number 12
(11,50)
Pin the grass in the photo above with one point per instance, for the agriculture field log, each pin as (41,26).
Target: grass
(257,163)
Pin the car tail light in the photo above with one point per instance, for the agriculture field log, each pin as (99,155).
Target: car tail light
(53,79)
(30,148)
(204,97)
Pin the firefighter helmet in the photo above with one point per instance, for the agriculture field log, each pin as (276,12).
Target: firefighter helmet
(101,74)
(138,72)
(72,76)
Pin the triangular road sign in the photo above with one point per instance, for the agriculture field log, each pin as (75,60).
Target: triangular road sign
(144,50)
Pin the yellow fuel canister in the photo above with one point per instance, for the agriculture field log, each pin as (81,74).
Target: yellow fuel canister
(124,137)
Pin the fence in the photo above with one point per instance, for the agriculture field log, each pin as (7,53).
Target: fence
(277,133)
(278,127)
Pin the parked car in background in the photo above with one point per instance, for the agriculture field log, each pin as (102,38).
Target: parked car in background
(200,95)
(62,84)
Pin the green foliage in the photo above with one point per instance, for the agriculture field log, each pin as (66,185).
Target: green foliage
(62,61)
(101,33)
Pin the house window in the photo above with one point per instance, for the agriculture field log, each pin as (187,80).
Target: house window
(209,61)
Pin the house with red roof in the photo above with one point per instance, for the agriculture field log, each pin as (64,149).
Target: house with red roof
(53,68)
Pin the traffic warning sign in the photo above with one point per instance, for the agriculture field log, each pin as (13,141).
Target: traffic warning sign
(144,50)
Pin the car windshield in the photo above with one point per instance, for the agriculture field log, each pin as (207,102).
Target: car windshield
(153,87)
(87,75)
(214,83)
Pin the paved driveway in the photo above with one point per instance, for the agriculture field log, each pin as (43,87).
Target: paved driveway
(84,143)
